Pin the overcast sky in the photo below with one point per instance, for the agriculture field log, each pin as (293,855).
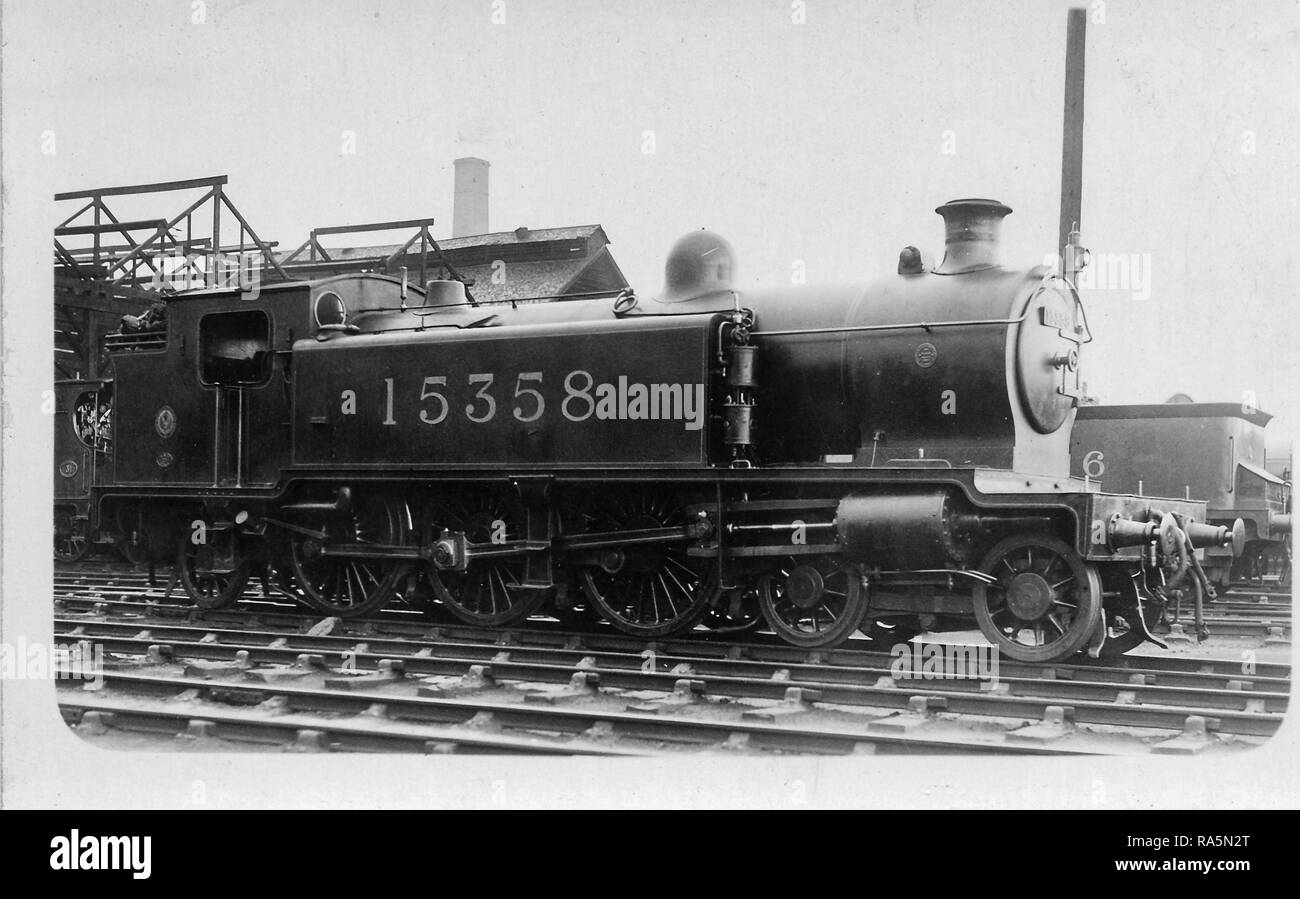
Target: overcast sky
(826,143)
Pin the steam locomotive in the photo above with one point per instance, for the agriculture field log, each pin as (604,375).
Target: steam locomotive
(889,457)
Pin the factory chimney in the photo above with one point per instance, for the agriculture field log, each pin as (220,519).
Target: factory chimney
(470,210)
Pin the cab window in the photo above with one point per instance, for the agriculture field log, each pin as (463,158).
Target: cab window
(235,348)
(92,419)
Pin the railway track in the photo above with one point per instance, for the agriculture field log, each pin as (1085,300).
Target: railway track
(1244,612)
(1275,605)
(281,676)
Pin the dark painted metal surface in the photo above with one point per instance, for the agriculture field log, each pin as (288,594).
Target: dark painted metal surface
(628,392)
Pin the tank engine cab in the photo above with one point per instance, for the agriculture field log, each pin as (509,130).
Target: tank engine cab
(201,400)
(208,398)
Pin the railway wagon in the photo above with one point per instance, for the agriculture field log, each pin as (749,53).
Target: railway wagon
(1211,451)
(817,460)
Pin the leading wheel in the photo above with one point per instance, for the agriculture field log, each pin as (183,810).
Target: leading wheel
(813,601)
(348,586)
(213,577)
(1046,603)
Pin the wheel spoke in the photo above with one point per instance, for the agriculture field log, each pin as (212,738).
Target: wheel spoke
(668,595)
(685,591)
(647,594)
(680,565)
(499,581)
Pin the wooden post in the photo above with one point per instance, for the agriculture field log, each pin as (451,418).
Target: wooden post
(216,236)
(1072,131)
(91,339)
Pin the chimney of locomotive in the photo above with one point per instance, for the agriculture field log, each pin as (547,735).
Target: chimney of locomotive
(971,235)
(469,213)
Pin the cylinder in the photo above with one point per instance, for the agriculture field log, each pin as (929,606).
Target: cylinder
(898,530)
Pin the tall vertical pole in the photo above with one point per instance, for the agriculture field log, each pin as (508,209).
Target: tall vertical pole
(97,223)
(91,338)
(212,279)
(1072,131)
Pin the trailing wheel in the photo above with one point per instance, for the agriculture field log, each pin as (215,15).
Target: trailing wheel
(813,601)
(490,592)
(132,550)
(213,574)
(130,536)
(71,541)
(650,589)
(1046,602)
(350,585)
